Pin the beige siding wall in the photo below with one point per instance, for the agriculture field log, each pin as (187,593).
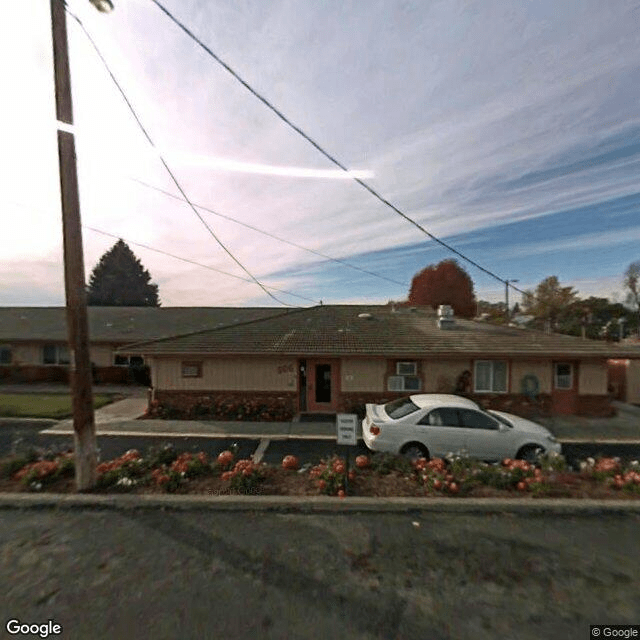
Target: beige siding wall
(633,382)
(228,374)
(26,354)
(362,374)
(102,355)
(540,369)
(441,375)
(31,354)
(592,378)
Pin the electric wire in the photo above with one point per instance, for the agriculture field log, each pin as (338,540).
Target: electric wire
(317,146)
(197,264)
(271,235)
(166,166)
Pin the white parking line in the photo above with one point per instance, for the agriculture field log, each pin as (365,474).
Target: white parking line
(260,451)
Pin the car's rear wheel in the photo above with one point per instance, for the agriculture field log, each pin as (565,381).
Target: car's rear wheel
(414,450)
(530,453)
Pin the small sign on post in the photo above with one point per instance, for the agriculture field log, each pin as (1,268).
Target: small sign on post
(347,435)
(347,424)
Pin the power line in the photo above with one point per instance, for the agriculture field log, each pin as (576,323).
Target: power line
(317,146)
(271,235)
(166,166)
(197,264)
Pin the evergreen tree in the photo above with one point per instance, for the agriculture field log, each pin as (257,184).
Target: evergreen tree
(120,280)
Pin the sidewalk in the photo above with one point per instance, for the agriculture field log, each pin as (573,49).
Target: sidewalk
(119,418)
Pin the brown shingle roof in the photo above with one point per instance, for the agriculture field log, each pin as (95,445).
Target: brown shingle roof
(122,325)
(339,330)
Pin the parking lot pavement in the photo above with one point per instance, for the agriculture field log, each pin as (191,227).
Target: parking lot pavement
(206,573)
(625,426)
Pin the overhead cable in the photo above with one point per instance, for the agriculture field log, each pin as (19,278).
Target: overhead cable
(317,146)
(271,235)
(197,264)
(166,166)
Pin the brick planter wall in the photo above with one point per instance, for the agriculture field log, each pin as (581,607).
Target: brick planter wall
(268,406)
(34,373)
(595,406)
(516,403)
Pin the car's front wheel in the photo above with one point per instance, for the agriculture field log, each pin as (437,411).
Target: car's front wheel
(414,450)
(530,453)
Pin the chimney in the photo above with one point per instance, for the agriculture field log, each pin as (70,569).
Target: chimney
(445,317)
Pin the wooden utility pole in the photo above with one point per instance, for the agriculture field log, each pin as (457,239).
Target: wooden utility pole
(74,280)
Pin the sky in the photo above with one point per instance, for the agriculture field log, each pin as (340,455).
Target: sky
(509,130)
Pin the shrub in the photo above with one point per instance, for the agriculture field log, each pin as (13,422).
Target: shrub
(245,477)
(44,472)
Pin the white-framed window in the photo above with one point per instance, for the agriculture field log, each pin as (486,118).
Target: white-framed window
(403,383)
(406,368)
(5,354)
(192,369)
(563,375)
(55,354)
(490,376)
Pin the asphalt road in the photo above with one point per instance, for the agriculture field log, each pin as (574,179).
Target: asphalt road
(163,573)
(22,438)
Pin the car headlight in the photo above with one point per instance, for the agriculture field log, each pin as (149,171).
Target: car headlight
(552,438)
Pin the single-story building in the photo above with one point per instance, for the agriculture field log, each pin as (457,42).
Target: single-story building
(624,374)
(34,348)
(336,358)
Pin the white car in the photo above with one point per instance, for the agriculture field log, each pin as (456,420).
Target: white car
(434,425)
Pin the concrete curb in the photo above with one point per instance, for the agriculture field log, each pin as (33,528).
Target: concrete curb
(319,504)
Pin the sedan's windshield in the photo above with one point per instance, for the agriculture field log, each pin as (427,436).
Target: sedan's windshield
(400,408)
(500,418)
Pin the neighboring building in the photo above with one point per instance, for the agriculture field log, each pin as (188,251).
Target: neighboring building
(33,340)
(624,374)
(336,358)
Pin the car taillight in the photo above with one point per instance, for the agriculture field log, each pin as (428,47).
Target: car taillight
(374,429)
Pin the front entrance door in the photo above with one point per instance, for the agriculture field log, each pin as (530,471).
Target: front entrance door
(322,385)
(564,395)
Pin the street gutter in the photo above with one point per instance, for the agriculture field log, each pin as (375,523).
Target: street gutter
(319,504)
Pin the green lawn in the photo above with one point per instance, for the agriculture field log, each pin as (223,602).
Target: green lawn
(42,405)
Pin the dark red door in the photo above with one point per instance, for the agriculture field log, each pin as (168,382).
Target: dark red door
(564,394)
(323,385)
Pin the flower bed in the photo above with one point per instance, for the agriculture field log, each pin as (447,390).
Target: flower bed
(165,470)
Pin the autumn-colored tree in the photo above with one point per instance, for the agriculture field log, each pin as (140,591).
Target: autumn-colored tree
(549,301)
(444,283)
(120,280)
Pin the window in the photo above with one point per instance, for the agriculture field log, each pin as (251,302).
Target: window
(5,355)
(403,383)
(490,376)
(441,418)
(400,408)
(406,378)
(192,369)
(406,368)
(475,420)
(125,361)
(563,375)
(55,354)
